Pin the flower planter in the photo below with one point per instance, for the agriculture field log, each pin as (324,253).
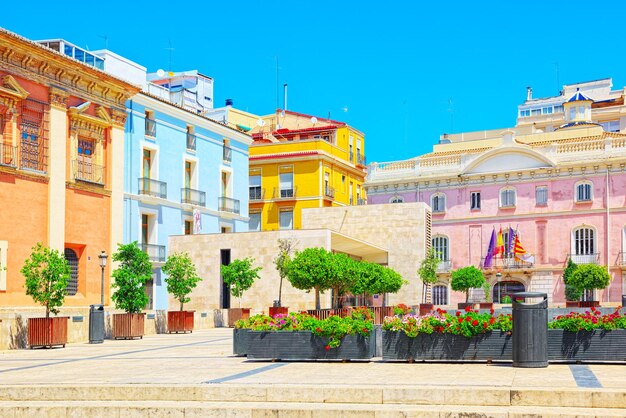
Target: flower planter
(572,304)
(446,347)
(180,321)
(240,341)
(128,325)
(47,332)
(596,345)
(485,305)
(426,308)
(589,304)
(235,314)
(283,310)
(304,345)
(465,304)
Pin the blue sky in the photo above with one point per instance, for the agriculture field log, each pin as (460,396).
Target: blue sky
(402,72)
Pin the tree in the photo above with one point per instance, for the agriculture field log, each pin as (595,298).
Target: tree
(388,280)
(182,277)
(342,276)
(130,278)
(572,293)
(589,276)
(428,271)
(310,269)
(47,273)
(285,249)
(239,275)
(466,278)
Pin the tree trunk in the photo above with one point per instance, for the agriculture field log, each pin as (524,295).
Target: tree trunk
(317,299)
(280,291)
(240,301)
(47,311)
(181,306)
(467,296)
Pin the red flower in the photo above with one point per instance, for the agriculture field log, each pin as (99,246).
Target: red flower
(443,311)
(458,313)
(460,320)
(468,319)
(318,329)
(485,325)
(492,321)
(491,311)
(474,322)
(327,348)
(468,308)
(364,330)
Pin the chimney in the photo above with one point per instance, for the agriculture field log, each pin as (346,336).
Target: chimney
(284,96)
(529,93)
(229,102)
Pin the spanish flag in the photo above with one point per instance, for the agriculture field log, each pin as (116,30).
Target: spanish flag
(499,244)
(520,252)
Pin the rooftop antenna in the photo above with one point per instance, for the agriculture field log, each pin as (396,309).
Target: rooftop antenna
(171,50)
(451,111)
(558,83)
(106,40)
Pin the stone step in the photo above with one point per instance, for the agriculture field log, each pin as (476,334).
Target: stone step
(315,394)
(172,409)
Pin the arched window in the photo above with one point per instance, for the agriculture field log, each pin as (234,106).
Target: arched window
(506,288)
(507,197)
(440,246)
(396,199)
(440,294)
(583,191)
(72,260)
(438,202)
(584,245)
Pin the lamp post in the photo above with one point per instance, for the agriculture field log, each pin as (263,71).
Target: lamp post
(498,277)
(102,257)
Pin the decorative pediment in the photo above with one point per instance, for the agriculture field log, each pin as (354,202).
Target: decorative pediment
(79,118)
(10,93)
(509,158)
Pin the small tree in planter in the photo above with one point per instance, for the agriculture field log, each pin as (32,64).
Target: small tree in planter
(387,281)
(309,270)
(47,273)
(285,249)
(129,284)
(181,280)
(589,277)
(572,293)
(487,304)
(464,279)
(428,274)
(240,276)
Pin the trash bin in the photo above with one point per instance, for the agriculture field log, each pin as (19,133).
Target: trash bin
(96,324)
(624,302)
(530,330)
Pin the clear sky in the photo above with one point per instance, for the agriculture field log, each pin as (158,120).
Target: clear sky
(403,72)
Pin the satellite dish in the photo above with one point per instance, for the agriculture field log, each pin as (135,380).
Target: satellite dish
(313,120)
(260,122)
(160,72)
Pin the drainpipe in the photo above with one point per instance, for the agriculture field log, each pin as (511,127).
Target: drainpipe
(608,229)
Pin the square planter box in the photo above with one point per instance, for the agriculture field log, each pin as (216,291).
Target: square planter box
(180,321)
(240,341)
(447,347)
(235,314)
(596,345)
(128,325)
(47,332)
(304,345)
(426,308)
(284,310)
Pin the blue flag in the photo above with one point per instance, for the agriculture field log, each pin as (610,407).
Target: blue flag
(491,250)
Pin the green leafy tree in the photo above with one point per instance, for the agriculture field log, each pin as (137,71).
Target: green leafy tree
(129,279)
(285,249)
(590,276)
(239,275)
(571,292)
(182,277)
(342,277)
(47,273)
(487,291)
(466,278)
(428,271)
(310,269)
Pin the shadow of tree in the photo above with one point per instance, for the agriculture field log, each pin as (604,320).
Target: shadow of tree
(161,322)
(218,318)
(19,333)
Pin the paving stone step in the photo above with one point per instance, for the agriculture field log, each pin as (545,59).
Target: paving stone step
(171,409)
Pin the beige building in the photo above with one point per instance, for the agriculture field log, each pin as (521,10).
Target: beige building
(393,235)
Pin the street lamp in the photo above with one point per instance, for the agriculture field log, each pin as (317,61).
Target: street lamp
(103,263)
(498,277)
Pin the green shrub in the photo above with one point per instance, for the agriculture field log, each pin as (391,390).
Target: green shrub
(465,279)
(129,279)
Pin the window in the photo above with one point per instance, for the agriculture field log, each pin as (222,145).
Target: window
(610,126)
(286,219)
(475,200)
(149,289)
(286,184)
(188,227)
(558,109)
(535,112)
(191,138)
(546,110)
(584,243)
(440,294)
(255,221)
(150,124)
(255,187)
(506,288)
(396,199)
(572,113)
(228,151)
(541,195)
(524,113)
(583,192)
(438,202)
(440,246)
(72,260)
(33,126)
(507,198)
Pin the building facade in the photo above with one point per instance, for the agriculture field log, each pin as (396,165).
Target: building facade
(557,183)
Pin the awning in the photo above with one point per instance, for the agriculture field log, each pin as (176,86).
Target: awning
(243,128)
(364,250)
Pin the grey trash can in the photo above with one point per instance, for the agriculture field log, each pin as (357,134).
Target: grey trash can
(530,330)
(624,302)
(96,324)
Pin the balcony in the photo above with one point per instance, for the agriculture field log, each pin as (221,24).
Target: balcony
(8,155)
(444,266)
(227,155)
(226,204)
(150,127)
(351,156)
(360,160)
(585,258)
(329,192)
(361,202)
(621,259)
(155,252)
(256,193)
(88,172)
(506,263)
(192,197)
(284,193)
(191,141)
(151,187)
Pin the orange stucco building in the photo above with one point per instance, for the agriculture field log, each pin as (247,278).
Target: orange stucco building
(61,165)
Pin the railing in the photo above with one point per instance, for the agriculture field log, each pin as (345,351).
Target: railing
(284,193)
(361,202)
(329,192)
(256,193)
(351,156)
(360,159)
(380,312)
(228,154)
(8,155)
(444,266)
(193,197)
(150,127)
(151,187)
(88,172)
(226,204)
(585,258)
(191,141)
(155,252)
(506,263)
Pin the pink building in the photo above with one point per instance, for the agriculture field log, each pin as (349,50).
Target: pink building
(561,186)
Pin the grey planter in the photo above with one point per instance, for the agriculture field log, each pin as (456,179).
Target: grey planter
(240,341)
(447,347)
(304,345)
(596,345)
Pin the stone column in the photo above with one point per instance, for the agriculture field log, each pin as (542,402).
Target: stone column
(115,167)
(57,163)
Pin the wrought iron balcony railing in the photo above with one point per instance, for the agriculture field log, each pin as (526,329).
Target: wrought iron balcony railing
(226,204)
(150,127)
(351,156)
(329,192)
(256,193)
(155,252)
(191,141)
(152,187)
(193,197)
(285,193)
(506,263)
(228,154)
(8,155)
(360,159)
(444,266)
(593,258)
(88,172)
